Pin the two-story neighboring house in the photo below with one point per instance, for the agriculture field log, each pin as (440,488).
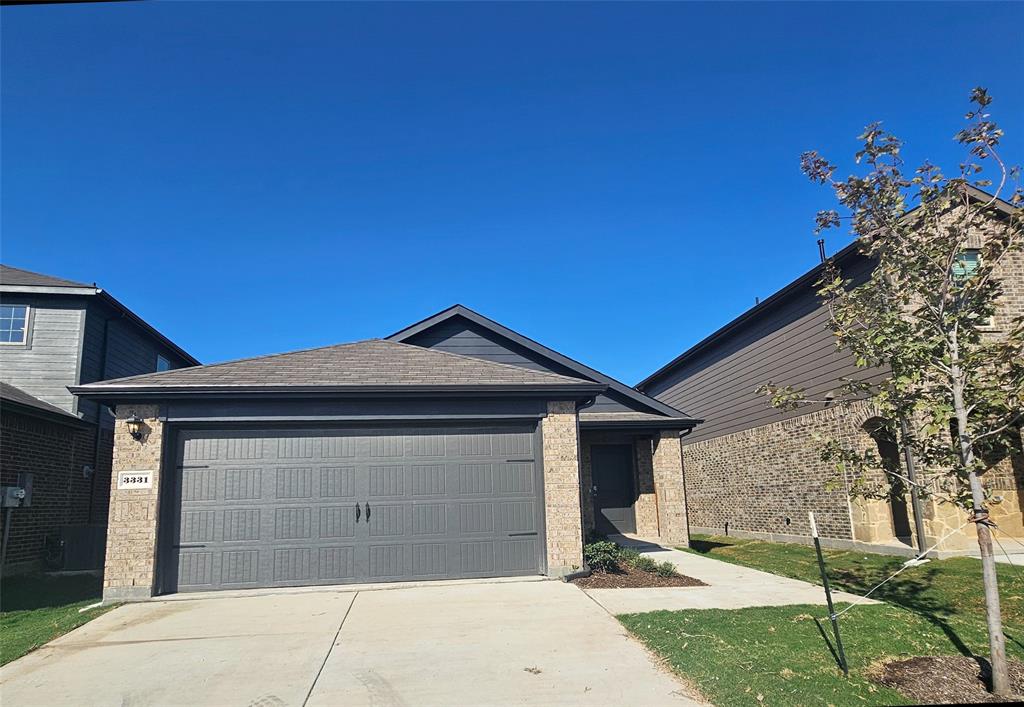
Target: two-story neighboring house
(753,470)
(56,333)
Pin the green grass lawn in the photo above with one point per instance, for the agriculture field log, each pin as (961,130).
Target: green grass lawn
(37,609)
(784,656)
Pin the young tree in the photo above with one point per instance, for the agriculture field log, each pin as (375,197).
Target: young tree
(955,396)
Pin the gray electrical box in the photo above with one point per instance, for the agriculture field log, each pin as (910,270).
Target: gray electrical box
(25,482)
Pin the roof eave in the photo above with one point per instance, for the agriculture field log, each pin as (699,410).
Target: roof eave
(580,391)
(59,416)
(669,423)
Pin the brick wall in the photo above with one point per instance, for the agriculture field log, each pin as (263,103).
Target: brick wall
(55,455)
(755,479)
(132,528)
(668,481)
(563,517)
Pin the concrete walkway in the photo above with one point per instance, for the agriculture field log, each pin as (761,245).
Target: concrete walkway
(729,586)
(519,643)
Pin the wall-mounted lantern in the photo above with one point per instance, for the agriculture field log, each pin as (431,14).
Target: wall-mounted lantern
(134,424)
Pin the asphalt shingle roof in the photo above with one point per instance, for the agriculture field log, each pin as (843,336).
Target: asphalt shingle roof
(372,363)
(27,278)
(11,394)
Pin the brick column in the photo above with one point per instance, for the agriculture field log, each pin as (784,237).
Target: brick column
(132,527)
(563,521)
(645,508)
(668,484)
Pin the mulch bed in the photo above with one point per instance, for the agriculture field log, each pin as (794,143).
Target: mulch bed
(945,679)
(630,578)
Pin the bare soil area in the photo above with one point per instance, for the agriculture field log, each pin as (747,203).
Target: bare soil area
(630,578)
(946,679)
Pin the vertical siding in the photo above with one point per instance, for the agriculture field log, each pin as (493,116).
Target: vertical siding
(788,344)
(463,337)
(48,363)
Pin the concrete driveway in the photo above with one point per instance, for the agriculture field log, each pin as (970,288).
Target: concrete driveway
(524,642)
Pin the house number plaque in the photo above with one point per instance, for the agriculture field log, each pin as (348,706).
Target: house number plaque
(134,480)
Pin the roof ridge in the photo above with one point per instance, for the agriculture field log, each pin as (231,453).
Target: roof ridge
(485,361)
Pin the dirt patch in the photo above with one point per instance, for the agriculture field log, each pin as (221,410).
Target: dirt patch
(630,578)
(946,679)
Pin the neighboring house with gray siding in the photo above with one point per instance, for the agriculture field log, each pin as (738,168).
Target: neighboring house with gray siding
(755,470)
(56,333)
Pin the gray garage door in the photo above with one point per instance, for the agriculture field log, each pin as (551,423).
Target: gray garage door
(274,508)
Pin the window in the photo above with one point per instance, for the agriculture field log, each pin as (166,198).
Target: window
(13,323)
(966,264)
(162,364)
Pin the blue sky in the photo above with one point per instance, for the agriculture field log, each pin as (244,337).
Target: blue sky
(614,180)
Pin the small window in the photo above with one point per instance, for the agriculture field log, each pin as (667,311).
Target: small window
(966,264)
(162,364)
(13,323)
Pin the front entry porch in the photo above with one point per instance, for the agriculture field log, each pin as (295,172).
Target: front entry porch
(631,482)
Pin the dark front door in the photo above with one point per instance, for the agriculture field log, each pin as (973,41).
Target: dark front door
(611,470)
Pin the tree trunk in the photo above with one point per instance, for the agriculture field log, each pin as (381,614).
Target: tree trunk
(993,616)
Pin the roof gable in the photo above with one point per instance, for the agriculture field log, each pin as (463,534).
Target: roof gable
(511,347)
(376,365)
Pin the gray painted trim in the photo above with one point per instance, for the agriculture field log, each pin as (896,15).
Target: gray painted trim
(351,421)
(109,392)
(535,347)
(32,289)
(668,424)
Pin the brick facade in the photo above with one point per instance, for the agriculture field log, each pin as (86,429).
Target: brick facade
(56,456)
(132,527)
(668,482)
(562,506)
(766,479)
(762,482)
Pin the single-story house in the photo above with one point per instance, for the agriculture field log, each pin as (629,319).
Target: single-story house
(453,448)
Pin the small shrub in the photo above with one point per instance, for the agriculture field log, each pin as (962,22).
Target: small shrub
(628,556)
(645,564)
(603,556)
(666,569)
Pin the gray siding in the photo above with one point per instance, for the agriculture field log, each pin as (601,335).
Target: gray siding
(129,350)
(789,344)
(463,337)
(48,362)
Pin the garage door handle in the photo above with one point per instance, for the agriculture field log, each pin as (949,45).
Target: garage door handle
(516,535)
(367,511)
(357,511)
(187,547)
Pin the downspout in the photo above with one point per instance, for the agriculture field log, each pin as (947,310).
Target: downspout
(99,422)
(584,493)
(682,465)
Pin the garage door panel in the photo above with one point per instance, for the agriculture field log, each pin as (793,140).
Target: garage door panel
(295,507)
